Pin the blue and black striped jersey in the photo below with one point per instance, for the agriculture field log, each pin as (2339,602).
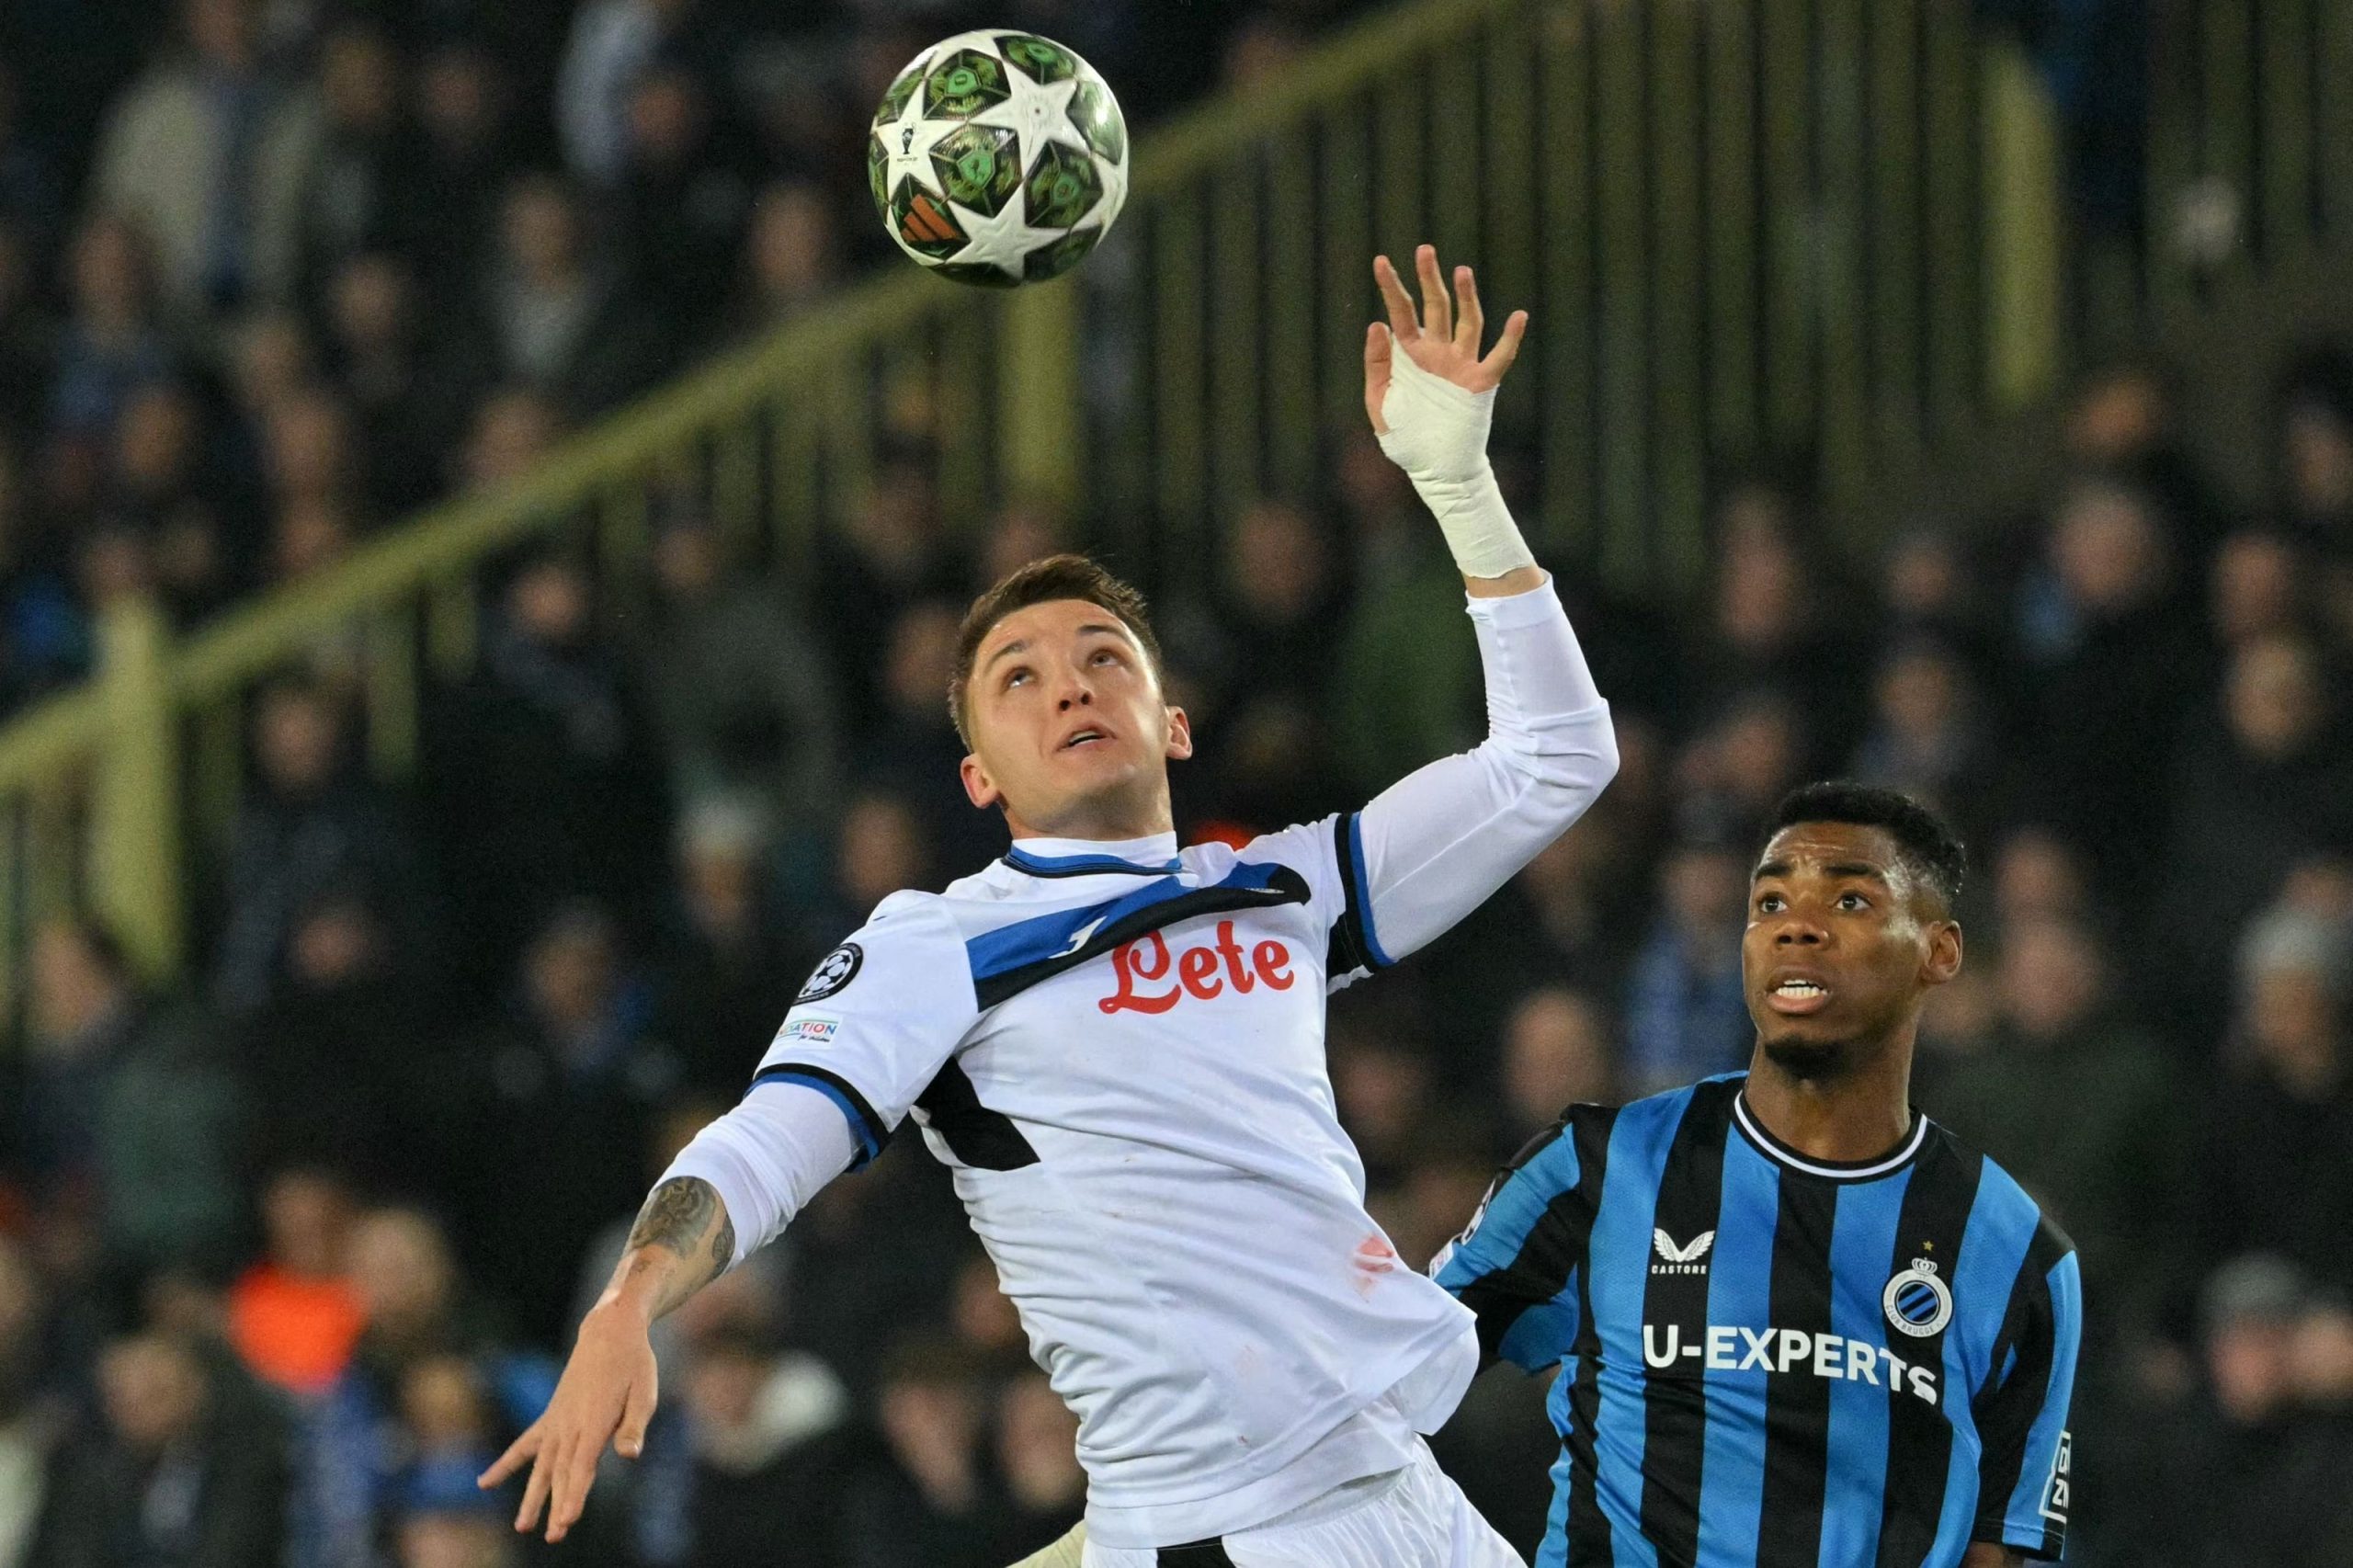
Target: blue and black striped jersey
(1768,1361)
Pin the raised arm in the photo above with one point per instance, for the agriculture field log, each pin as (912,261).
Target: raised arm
(1437,843)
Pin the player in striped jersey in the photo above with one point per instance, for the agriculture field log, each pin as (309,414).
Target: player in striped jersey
(1797,1322)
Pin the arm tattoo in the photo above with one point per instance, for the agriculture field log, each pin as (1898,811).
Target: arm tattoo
(682,1217)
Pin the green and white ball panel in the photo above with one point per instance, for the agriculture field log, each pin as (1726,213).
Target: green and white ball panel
(998,158)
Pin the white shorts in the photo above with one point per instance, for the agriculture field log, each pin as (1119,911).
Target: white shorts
(1415,1518)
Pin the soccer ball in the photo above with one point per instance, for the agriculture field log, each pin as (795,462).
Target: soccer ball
(998,158)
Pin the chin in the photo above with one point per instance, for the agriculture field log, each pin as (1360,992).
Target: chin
(1807,1056)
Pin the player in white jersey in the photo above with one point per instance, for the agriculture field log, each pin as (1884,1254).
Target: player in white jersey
(1118,1046)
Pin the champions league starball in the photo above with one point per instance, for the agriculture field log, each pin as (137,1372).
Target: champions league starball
(998,158)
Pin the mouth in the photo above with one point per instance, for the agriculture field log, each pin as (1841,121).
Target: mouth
(1795,995)
(1085,739)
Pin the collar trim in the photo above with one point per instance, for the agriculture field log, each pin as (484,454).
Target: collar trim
(1780,1154)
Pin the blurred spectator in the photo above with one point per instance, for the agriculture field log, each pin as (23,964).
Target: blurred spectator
(467,144)
(684,196)
(1383,1083)
(2268,784)
(764,1470)
(410,394)
(293,1316)
(1737,768)
(614,44)
(2110,652)
(881,850)
(2261,586)
(908,747)
(1557,1054)
(742,687)
(2315,450)
(176,1470)
(153,484)
(1770,627)
(2037,875)
(110,345)
(557,1096)
(925,1496)
(131,1119)
(313,822)
(362,191)
(890,555)
(446,1522)
(546,782)
(792,259)
(2076,1103)
(211,157)
(1930,735)
(1036,1442)
(732,960)
(1687,1015)
(2273,1175)
(559,320)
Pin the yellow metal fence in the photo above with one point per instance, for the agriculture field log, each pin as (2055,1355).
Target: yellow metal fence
(1831,227)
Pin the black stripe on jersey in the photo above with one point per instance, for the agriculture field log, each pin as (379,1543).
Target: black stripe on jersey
(1200,1555)
(984,1139)
(1284,885)
(2026,1330)
(1919,1439)
(1346,950)
(1674,1400)
(1797,1404)
(875,1127)
(1556,1243)
(1588,1527)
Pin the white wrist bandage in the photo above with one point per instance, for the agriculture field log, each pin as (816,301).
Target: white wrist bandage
(1437,434)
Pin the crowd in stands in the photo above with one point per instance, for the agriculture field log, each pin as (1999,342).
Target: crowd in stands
(274,274)
(288,1253)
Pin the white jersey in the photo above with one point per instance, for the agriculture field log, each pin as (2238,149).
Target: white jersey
(1119,1050)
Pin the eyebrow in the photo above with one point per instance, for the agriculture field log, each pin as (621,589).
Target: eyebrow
(1772,869)
(1021,644)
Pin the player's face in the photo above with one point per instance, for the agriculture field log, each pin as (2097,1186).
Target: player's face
(1069,732)
(1841,945)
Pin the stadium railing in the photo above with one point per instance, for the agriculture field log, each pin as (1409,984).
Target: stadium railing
(1833,227)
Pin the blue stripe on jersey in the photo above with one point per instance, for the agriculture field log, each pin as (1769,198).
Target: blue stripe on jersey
(869,1146)
(1354,870)
(1044,937)
(2024,1519)
(1554,1553)
(1021,860)
(1863,1239)
(2002,1223)
(1621,1228)
(1740,1291)
(1494,1240)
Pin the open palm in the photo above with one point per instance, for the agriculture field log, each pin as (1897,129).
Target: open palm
(1443,338)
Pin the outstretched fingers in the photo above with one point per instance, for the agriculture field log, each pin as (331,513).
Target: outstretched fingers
(522,1449)
(1507,349)
(1470,317)
(1402,321)
(1438,306)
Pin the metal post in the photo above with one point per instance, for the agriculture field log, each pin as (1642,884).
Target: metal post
(135,870)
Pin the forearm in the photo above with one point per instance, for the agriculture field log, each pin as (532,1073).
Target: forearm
(1441,840)
(683,1240)
(1990,1554)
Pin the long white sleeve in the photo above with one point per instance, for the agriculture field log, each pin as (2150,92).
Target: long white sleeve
(768,1157)
(1440,841)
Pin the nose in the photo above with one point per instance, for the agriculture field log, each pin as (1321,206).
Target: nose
(1075,692)
(1795,931)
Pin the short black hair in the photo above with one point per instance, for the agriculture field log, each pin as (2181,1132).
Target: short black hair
(1925,842)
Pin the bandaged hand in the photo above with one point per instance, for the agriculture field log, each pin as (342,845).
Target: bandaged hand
(1431,399)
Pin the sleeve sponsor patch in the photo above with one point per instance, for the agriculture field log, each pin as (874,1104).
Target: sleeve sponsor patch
(811,1031)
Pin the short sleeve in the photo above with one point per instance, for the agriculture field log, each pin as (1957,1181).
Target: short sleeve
(878,1017)
(1516,1264)
(2024,1479)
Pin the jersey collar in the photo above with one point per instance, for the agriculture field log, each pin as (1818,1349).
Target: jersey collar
(1780,1154)
(1153,856)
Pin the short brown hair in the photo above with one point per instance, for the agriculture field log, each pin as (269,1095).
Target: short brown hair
(1050,577)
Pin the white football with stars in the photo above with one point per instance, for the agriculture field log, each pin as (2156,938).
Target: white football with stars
(998,158)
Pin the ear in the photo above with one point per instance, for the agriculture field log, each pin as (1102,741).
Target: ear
(1180,734)
(979,788)
(1942,961)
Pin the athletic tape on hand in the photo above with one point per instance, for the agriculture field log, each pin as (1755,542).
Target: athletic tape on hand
(1437,434)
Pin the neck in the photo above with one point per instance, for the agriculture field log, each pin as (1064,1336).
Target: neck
(1099,821)
(1853,1112)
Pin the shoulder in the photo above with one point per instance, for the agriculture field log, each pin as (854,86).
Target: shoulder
(2005,1200)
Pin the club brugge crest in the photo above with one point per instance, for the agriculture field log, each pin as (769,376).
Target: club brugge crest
(1917,1303)
(839,968)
